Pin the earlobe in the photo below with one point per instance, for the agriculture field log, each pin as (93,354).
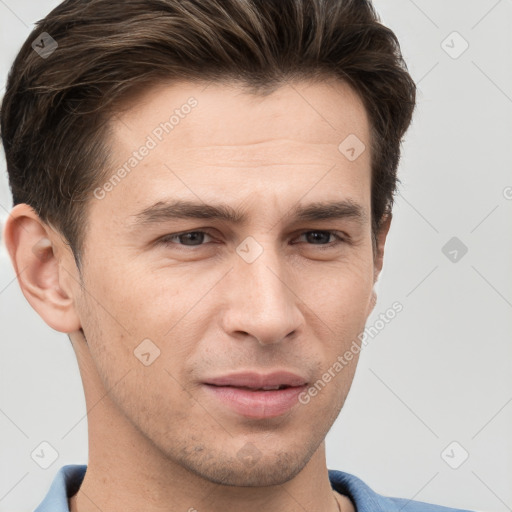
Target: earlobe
(379,257)
(372,303)
(381,242)
(39,266)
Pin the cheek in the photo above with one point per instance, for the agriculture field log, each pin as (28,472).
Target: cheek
(138,318)
(110,312)
(154,299)
(340,292)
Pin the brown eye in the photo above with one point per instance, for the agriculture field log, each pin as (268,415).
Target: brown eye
(322,238)
(188,239)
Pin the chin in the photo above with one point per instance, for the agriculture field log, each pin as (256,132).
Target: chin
(271,470)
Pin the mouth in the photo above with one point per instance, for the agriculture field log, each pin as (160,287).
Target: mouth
(256,396)
(255,380)
(266,388)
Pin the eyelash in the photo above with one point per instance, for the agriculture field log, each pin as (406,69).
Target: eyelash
(166,240)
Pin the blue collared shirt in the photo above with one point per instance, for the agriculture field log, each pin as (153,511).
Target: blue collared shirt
(67,482)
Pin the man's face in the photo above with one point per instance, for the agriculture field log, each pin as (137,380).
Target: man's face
(272,293)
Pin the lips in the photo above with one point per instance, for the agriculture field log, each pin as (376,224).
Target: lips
(258,381)
(254,395)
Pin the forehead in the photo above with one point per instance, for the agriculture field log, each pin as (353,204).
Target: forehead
(224,114)
(217,141)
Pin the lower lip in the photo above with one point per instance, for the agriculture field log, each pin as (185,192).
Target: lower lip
(257,404)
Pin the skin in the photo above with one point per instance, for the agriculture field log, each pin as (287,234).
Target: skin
(157,440)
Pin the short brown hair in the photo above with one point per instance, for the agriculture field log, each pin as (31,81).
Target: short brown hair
(55,112)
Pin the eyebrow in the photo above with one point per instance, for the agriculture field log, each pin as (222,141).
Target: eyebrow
(163,211)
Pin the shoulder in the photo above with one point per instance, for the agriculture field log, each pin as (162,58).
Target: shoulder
(367,500)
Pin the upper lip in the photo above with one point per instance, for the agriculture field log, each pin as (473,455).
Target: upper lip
(257,380)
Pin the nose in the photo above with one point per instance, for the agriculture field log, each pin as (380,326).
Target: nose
(261,301)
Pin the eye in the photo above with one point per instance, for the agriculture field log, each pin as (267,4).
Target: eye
(188,239)
(325,239)
(322,237)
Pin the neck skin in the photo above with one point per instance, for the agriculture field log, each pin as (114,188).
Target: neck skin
(126,472)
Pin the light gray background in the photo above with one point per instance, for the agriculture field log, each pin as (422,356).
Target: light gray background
(441,371)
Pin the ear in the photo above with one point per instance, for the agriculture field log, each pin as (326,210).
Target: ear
(378,257)
(45,268)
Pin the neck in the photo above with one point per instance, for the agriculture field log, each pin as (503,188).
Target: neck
(126,472)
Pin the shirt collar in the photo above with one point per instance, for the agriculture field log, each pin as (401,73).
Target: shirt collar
(69,478)
(64,485)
